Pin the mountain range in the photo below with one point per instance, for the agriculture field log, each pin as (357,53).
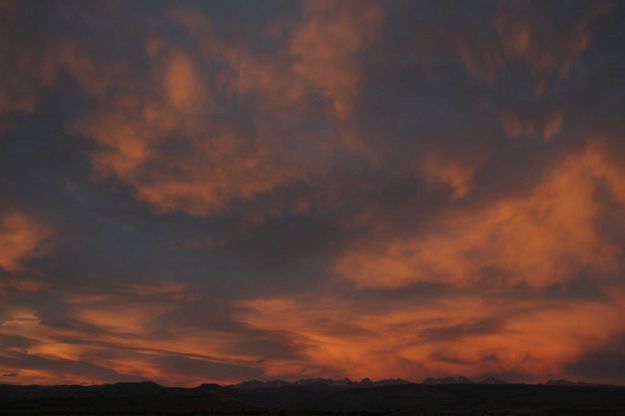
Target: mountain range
(435,396)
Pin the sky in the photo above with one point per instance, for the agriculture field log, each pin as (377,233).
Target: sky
(217,191)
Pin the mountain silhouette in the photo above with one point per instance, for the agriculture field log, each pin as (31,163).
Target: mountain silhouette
(448,380)
(492,380)
(455,395)
(320,383)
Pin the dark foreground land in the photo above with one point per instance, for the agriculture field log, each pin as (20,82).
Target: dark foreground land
(283,400)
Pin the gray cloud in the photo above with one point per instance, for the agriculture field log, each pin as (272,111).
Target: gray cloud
(205,369)
(605,362)
(80,369)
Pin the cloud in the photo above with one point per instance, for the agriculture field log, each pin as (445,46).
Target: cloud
(177,137)
(538,238)
(514,125)
(331,189)
(202,370)
(456,174)
(547,44)
(46,371)
(36,61)
(133,334)
(326,46)
(464,329)
(605,362)
(21,237)
(541,47)
(491,333)
(174,152)
(17,342)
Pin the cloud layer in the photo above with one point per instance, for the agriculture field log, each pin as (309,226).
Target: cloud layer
(336,189)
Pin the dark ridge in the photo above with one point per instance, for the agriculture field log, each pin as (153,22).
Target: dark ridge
(561,382)
(492,380)
(317,383)
(448,380)
(444,396)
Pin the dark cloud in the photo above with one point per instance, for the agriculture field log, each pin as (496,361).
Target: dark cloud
(206,370)
(462,330)
(581,287)
(605,362)
(63,368)
(9,342)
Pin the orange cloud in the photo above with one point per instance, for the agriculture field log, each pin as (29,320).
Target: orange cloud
(548,127)
(182,82)
(167,137)
(21,237)
(214,165)
(523,34)
(459,334)
(114,337)
(21,285)
(455,172)
(327,43)
(37,65)
(539,238)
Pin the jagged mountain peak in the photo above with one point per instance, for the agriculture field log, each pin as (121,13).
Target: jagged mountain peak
(317,383)
(448,380)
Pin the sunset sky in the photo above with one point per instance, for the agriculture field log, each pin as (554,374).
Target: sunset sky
(216,191)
